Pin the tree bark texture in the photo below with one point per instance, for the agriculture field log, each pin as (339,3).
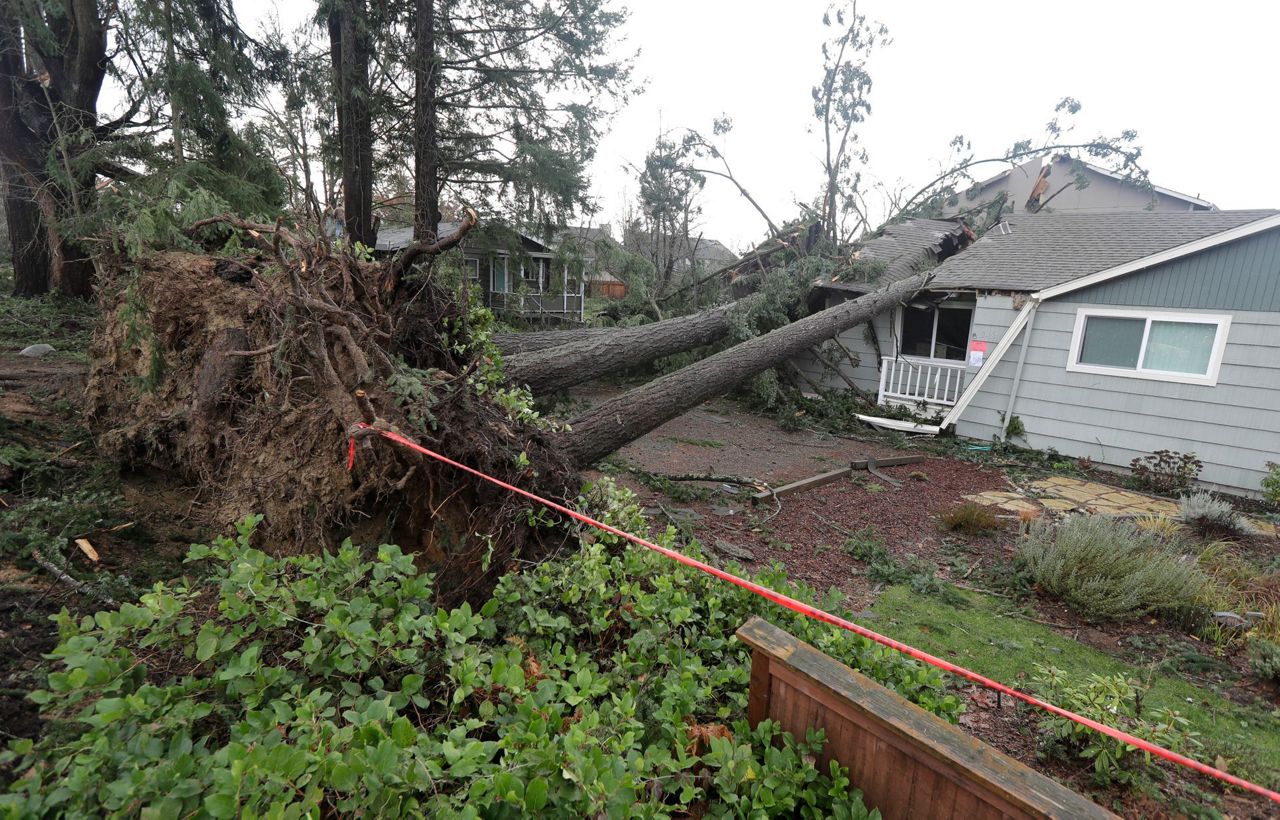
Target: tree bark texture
(49,90)
(426,148)
(612,424)
(349,51)
(555,368)
(514,344)
(28,239)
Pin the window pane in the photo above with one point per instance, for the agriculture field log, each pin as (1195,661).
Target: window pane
(917,331)
(1111,341)
(953,333)
(1180,347)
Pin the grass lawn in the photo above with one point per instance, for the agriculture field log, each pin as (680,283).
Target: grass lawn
(981,637)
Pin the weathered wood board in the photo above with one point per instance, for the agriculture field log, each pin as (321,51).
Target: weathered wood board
(834,475)
(907,762)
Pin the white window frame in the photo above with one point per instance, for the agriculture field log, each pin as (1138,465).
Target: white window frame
(933,338)
(473,268)
(1221,320)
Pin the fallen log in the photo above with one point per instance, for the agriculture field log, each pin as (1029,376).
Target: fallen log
(613,423)
(514,344)
(555,368)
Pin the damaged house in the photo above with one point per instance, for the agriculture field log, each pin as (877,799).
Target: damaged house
(1106,335)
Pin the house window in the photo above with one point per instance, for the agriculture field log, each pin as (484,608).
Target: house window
(536,274)
(936,331)
(498,274)
(1178,347)
(472,267)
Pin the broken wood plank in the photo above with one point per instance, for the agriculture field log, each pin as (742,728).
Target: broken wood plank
(872,464)
(805,483)
(833,475)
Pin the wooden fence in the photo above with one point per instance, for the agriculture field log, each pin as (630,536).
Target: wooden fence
(907,762)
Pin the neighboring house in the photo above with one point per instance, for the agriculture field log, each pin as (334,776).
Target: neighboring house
(1108,335)
(683,252)
(519,276)
(588,243)
(1051,184)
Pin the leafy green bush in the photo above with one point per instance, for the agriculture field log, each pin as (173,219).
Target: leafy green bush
(1210,516)
(1110,569)
(1271,483)
(971,519)
(1166,471)
(1264,658)
(1117,702)
(330,684)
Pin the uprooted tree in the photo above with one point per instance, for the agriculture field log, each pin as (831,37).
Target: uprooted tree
(246,374)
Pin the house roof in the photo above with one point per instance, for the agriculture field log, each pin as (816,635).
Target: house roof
(396,237)
(1027,169)
(703,248)
(585,234)
(905,247)
(1032,252)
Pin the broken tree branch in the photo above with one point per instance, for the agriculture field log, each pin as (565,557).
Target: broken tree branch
(410,255)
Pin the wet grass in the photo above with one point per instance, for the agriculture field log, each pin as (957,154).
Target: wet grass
(983,636)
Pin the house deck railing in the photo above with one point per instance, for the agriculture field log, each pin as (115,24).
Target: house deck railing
(908,380)
(560,305)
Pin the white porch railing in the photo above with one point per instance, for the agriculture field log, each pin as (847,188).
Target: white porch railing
(910,380)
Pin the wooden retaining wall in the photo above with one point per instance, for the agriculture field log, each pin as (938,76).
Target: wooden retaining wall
(907,762)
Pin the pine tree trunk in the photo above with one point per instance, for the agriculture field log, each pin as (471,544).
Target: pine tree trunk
(514,344)
(612,424)
(426,149)
(349,52)
(555,368)
(27,238)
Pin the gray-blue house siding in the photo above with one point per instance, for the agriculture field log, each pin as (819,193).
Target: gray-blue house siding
(1233,426)
(1045,270)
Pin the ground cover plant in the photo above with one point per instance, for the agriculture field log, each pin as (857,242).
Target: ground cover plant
(1110,569)
(602,682)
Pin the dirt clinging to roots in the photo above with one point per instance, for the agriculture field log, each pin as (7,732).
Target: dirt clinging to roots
(247,375)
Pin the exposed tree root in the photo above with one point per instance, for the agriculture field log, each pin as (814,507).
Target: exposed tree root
(247,385)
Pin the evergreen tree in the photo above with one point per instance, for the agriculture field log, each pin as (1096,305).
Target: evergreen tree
(509,101)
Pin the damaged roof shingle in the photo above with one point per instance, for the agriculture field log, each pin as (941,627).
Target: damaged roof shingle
(906,248)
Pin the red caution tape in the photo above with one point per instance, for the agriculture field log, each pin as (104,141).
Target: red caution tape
(834,620)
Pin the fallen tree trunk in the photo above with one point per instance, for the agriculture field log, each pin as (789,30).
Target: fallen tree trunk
(555,368)
(612,424)
(514,344)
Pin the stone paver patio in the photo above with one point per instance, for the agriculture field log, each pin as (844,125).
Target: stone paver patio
(1062,494)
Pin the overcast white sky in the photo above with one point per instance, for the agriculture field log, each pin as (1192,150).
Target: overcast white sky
(1193,79)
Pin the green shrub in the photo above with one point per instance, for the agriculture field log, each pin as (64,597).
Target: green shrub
(1117,702)
(329,684)
(1166,471)
(1210,516)
(1271,483)
(1264,658)
(1110,569)
(971,519)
